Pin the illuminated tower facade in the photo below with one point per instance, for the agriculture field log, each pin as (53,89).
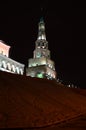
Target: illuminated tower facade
(41,65)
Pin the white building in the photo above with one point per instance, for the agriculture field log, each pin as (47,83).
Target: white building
(6,63)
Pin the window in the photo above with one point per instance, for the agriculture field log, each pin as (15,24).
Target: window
(38,55)
(13,68)
(21,71)
(17,70)
(8,66)
(3,64)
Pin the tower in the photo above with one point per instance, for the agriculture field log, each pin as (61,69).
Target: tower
(41,65)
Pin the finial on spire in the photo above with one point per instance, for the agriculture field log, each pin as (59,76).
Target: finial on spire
(41,13)
(41,9)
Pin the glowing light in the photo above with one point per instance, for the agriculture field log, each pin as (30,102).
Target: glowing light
(40,75)
(38,55)
(43,37)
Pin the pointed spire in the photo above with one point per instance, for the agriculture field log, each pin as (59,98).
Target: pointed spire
(41,29)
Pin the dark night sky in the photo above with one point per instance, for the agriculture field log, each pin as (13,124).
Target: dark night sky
(65,27)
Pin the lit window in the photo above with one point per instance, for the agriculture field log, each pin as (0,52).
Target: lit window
(8,66)
(3,64)
(39,37)
(13,68)
(17,70)
(48,73)
(21,71)
(43,37)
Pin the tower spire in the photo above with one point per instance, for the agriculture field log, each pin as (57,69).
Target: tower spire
(41,29)
(41,41)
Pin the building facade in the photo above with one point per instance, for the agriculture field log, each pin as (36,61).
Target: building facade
(6,63)
(41,65)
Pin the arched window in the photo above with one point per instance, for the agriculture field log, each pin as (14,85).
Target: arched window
(17,70)
(8,66)
(21,71)
(4,64)
(13,68)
